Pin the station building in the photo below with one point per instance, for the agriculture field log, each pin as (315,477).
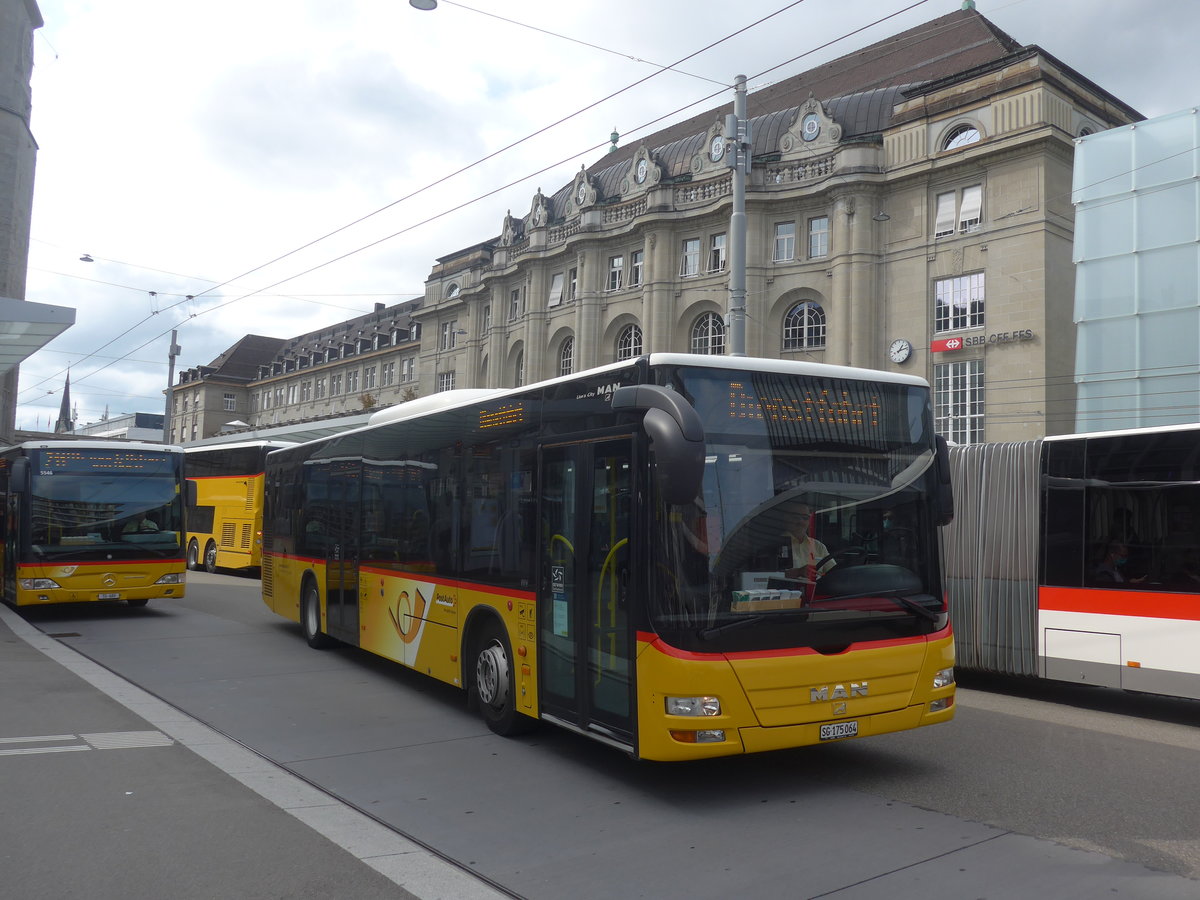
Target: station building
(908,207)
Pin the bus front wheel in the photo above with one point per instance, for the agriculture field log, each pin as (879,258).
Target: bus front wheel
(310,618)
(495,685)
(193,555)
(210,558)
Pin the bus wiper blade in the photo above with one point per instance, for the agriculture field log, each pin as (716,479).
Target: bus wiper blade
(898,596)
(707,634)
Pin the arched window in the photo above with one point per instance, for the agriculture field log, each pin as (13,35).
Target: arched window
(960,136)
(566,357)
(804,327)
(520,373)
(629,343)
(708,335)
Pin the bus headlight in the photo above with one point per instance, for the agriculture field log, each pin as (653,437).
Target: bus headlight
(39,584)
(711,736)
(173,578)
(693,706)
(943,677)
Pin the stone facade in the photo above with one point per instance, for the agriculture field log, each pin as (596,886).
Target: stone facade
(937,214)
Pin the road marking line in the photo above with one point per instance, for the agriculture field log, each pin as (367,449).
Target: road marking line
(40,737)
(25,751)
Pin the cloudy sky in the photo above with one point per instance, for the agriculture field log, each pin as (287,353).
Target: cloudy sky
(288,163)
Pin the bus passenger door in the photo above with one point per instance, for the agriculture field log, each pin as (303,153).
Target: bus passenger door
(585,646)
(341,569)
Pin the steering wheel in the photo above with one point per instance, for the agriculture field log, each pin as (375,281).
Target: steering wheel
(851,556)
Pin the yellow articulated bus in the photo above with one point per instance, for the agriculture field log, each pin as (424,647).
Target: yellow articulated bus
(680,556)
(224,520)
(91,520)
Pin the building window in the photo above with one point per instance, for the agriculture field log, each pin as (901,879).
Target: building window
(629,342)
(566,357)
(958,302)
(959,211)
(556,288)
(708,335)
(637,260)
(229,402)
(369,378)
(449,336)
(514,305)
(185,402)
(279,396)
(818,237)
(266,400)
(408,369)
(958,401)
(616,268)
(291,394)
(689,259)
(305,391)
(335,385)
(445,381)
(804,327)
(961,136)
(319,388)
(572,284)
(785,241)
(519,374)
(716,253)
(487,319)
(352,381)
(389,374)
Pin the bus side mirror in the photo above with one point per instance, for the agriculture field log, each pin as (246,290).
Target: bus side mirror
(945,493)
(18,482)
(676,435)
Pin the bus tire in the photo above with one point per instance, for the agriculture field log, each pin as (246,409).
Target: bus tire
(193,555)
(493,683)
(310,618)
(210,557)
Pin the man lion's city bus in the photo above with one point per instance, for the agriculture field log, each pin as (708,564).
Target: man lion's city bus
(224,519)
(91,520)
(609,551)
(1077,558)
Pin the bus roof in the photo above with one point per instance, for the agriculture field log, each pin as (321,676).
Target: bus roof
(238,445)
(95,445)
(1124,432)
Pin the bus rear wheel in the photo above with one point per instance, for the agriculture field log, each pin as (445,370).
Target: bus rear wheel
(210,557)
(494,684)
(310,618)
(193,555)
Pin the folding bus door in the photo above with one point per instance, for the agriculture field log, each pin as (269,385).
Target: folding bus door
(585,641)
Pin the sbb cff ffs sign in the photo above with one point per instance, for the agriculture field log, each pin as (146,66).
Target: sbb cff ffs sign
(944,345)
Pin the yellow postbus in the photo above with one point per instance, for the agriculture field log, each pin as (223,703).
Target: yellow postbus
(630,552)
(91,520)
(224,520)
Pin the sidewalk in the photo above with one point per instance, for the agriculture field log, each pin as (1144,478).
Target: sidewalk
(110,793)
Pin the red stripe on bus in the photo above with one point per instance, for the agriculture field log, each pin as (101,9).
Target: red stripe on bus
(668,650)
(104,563)
(1120,602)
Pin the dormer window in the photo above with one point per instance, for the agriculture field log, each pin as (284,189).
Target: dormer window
(452,290)
(961,136)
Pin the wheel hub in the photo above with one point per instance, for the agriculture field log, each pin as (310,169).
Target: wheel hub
(491,675)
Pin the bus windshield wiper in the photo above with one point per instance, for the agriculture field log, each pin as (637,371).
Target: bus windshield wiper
(898,596)
(707,634)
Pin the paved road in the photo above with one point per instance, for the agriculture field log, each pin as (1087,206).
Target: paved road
(1019,797)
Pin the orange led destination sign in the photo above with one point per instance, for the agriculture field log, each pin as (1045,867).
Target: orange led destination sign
(806,406)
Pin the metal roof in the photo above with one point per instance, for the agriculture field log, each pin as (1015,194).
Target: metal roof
(26,327)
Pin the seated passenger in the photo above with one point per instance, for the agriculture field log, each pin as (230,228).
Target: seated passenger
(1112,566)
(144,525)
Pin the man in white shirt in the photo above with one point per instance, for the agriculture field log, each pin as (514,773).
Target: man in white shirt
(807,551)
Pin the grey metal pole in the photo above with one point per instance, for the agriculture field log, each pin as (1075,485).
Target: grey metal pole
(172,352)
(737,220)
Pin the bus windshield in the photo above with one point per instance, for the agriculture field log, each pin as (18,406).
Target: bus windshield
(104,504)
(814,526)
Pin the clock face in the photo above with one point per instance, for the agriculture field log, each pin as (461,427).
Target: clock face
(810,126)
(900,350)
(642,168)
(717,150)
